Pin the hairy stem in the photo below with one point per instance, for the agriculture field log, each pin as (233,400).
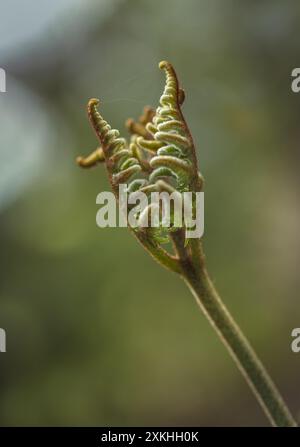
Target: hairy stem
(231,335)
(159,254)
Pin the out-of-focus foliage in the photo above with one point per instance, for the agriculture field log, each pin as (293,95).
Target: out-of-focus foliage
(97,333)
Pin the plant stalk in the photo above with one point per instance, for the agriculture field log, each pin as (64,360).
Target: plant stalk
(196,277)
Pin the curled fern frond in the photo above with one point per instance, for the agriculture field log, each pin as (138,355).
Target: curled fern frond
(160,155)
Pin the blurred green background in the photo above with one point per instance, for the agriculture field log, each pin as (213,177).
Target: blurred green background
(97,333)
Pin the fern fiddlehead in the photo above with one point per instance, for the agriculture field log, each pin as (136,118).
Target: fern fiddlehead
(161,156)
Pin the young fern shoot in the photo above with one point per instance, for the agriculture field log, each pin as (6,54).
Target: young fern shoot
(161,156)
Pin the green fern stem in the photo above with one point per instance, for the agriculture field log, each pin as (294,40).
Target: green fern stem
(196,277)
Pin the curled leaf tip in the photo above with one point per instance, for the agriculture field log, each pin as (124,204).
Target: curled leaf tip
(93,102)
(92,159)
(79,160)
(92,111)
(164,64)
(129,123)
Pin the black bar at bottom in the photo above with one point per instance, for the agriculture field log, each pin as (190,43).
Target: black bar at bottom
(126,436)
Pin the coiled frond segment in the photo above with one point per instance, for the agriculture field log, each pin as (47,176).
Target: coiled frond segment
(109,138)
(171,146)
(120,161)
(169,97)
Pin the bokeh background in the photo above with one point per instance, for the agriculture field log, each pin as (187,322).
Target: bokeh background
(97,333)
